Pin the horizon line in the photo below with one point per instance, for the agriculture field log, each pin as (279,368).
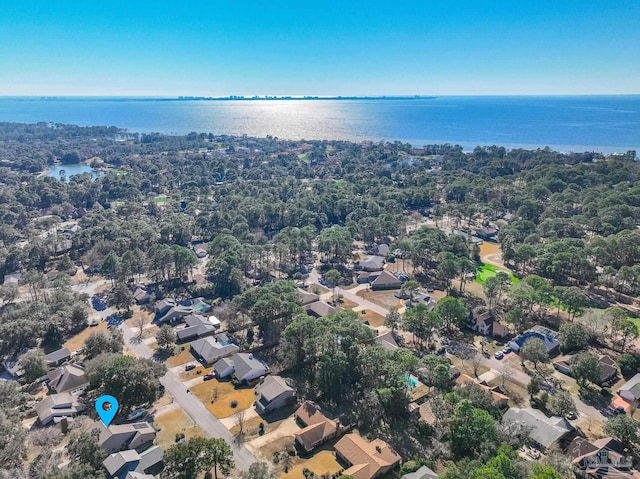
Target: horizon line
(312,97)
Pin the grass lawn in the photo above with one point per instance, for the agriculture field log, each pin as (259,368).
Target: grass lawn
(321,463)
(375,320)
(77,341)
(222,394)
(486,271)
(346,303)
(194,373)
(635,321)
(181,357)
(172,423)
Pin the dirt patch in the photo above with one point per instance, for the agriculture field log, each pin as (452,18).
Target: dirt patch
(172,423)
(223,394)
(182,357)
(375,320)
(279,445)
(386,299)
(76,342)
(321,463)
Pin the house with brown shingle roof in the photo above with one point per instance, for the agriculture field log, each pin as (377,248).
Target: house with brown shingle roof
(367,460)
(317,429)
(602,458)
(499,400)
(385,280)
(320,309)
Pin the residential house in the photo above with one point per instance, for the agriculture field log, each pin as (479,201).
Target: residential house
(164,305)
(423,413)
(487,325)
(367,460)
(544,431)
(630,390)
(548,337)
(499,400)
(379,250)
(608,369)
(13,367)
(320,309)
(12,279)
(212,348)
(126,436)
(200,250)
(305,298)
(175,314)
(366,277)
(224,368)
(138,475)
(141,295)
(387,341)
(423,473)
(56,358)
(602,458)
(316,427)
(487,233)
(70,377)
(243,366)
(197,327)
(56,406)
(273,393)
(385,280)
(121,464)
(372,263)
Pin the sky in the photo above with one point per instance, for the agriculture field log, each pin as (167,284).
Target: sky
(220,48)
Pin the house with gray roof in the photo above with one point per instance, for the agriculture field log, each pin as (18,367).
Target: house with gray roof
(70,377)
(320,309)
(544,431)
(387,341)
(423,473)
(126,436)
(212,348)
(56,406)
(56,358)
(121,464)
(164,305)
(631,389)
(306,297)
(175,314)
(197,327)
(243,367)
(372,263)
(273,393)
(12,279)
(13,367)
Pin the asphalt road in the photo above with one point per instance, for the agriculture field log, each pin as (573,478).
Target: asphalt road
(211,426)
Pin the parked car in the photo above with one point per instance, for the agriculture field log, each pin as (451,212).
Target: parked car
(441,351)
(209,376)
(430,289)
(571,415)
(507,350)
(189,367)
(499,355)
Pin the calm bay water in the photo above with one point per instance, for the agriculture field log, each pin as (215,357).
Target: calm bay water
(600,123)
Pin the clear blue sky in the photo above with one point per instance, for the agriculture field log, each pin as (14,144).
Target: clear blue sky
(323,48)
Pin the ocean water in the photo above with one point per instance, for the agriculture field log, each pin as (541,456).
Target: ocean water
(579,123)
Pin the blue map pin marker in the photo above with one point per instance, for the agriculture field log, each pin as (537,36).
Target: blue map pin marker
(106,416)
